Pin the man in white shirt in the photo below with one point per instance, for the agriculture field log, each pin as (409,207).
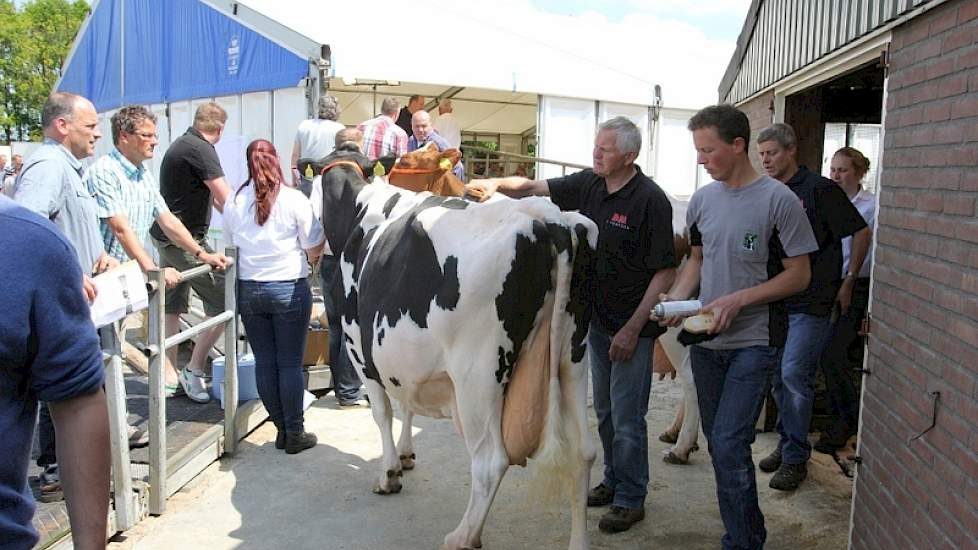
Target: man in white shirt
(314,139)
(446,125)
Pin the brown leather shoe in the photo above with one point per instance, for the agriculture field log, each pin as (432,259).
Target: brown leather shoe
(620,519)
(600,496)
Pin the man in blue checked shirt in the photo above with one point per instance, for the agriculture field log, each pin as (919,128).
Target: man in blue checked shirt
(129,201)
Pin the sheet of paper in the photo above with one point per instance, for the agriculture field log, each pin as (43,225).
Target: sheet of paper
(121,291)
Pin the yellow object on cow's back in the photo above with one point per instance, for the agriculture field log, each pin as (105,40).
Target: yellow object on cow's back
(379,170)
(445,164)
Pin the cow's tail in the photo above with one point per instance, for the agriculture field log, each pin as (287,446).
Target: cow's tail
(552,467)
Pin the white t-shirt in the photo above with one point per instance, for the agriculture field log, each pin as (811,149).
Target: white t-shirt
(274,251)
(448,128)
(865,203)
(317,137)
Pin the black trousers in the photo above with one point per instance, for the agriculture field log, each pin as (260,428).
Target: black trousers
(842,356)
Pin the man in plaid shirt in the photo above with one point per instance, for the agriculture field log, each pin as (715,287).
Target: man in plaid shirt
(129,201)
(382,136)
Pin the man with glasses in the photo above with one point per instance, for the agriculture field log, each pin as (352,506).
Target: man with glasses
(129,201)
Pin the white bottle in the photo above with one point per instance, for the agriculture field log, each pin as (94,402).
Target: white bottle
(682,308)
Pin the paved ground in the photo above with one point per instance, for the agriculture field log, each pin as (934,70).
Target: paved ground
(321,498)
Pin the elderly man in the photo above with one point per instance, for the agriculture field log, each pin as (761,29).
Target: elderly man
(634,262)
(446,125)
(129,201)
(49,350)
(415,103)
(314,139)
(832,217)
(191,182)
(381,136)
(423,134)
(50,184)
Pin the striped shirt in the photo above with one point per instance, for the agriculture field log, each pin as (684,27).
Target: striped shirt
(120,187)
(382,137)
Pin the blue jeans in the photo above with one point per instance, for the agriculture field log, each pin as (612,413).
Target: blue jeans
(730,387)
(346,383)
(276,317)
(794,383)
(621,400)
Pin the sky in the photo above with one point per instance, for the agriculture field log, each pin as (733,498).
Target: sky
(682,45)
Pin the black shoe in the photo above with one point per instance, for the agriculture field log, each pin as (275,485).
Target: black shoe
(771,462)
(600,496)
(789,477)
(828,443)
(619,519)
(280,439)
(296,442)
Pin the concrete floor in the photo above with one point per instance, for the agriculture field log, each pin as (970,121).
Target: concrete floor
(321,498)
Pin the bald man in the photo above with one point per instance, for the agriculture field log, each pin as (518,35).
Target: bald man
(424,133)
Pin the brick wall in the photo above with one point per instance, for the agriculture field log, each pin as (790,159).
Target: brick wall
(761,116)
(924,494)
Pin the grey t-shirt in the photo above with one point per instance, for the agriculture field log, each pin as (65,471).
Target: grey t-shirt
(50,184)
(745,233)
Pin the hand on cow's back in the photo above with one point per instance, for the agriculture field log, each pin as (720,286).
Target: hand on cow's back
(481,190)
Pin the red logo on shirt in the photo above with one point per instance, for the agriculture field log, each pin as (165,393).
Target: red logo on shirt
(619,220)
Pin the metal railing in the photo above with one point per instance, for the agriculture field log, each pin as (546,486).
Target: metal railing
(503,161)
(156,351)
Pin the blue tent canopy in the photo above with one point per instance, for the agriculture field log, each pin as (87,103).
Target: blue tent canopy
(148,51)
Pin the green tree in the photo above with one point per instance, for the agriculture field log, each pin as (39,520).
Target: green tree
(34,42)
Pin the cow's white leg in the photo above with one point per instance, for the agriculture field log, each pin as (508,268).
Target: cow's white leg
(671,434)
(573,382)
(686,442)
(483,437)
(405,443)
(390,466)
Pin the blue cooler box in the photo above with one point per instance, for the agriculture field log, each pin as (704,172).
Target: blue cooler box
(247,389)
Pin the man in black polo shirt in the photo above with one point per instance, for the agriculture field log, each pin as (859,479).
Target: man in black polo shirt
(634,262)
(832,217)
(191,181)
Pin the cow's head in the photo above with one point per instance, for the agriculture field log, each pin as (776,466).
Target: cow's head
(428,169)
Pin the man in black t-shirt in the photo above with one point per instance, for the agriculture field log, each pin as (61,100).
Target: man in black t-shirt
(415,103)
(832,217)
(191,181)
(634,262)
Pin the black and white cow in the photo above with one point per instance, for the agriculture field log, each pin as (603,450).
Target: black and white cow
(443,298)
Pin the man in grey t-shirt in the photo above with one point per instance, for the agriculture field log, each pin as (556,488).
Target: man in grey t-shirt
(750,242)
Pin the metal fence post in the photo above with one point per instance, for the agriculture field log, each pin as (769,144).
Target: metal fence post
(230,389)
(115,394)
(157,399)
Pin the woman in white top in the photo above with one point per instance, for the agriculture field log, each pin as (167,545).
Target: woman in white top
(847,169)
(275,230)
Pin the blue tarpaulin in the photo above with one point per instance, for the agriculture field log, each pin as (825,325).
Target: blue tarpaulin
(152,51)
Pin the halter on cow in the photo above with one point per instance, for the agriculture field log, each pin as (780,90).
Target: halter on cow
(446,303)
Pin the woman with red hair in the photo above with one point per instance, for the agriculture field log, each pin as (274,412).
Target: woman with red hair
(275,230)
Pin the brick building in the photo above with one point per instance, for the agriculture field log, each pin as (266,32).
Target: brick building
(899,80)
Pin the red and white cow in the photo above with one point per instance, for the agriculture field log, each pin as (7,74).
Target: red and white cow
(445,303)
(671,355)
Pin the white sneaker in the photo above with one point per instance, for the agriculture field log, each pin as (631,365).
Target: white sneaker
(193,386)
(137,438)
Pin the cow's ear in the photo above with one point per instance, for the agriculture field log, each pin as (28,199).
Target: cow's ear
(452,154)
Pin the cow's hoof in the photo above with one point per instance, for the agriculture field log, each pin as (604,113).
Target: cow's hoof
(667,437)
(672,458)
(407,461)
(392,485)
